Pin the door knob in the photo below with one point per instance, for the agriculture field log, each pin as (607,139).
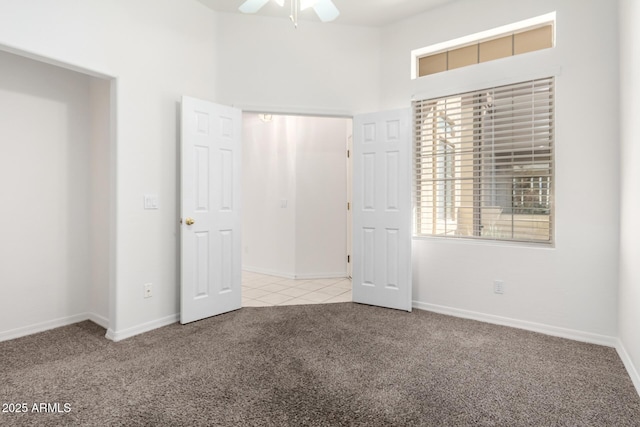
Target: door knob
(190,221)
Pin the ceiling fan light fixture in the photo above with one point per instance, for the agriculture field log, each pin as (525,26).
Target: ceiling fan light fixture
(325,9)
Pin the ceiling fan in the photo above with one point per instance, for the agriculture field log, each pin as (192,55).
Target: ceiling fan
(325,9)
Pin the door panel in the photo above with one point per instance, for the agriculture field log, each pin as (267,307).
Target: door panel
(382,209)
(210,209)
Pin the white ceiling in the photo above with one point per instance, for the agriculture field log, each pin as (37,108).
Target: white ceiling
(371,13)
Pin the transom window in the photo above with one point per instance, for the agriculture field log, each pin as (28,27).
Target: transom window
(521,37)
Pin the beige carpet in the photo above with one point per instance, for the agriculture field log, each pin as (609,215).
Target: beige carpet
(320,365)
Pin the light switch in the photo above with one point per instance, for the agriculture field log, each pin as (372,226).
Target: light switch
(150,201)
(283,203)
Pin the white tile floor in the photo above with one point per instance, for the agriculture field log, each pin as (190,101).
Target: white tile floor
(261,290)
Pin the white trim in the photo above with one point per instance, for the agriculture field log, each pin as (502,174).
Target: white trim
(555,331)
(98,320)
(142,328)
(478,37)
(52,324)
(485,242)
(340,275)
(114,92)
(628,364)
(57,62)
(332,275)
(110,335)
(294,111)
(268,272)
(472,85)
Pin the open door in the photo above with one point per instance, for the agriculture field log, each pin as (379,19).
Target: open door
(382,209)
(210,210)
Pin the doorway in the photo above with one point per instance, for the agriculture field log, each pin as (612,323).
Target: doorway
(56,175)
(295,209)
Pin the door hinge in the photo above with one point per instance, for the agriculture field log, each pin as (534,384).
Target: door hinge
(348,206)
(348,154)
(348,259)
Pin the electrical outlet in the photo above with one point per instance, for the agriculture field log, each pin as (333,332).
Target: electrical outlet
(148,290)
(498,287)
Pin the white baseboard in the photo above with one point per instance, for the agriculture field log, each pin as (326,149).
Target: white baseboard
(555,331)
(287,275)
(628,364)
(142,328)
(52,324)
(99,320)
(339,275)
(260,270)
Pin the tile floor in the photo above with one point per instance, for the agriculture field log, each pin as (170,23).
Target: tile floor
(261,290)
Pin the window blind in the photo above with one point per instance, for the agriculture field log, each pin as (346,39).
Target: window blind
(527,40)
(483,164)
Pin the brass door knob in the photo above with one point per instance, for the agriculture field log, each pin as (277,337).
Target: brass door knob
(190,221)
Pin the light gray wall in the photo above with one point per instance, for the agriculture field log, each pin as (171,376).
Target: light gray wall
(629,299)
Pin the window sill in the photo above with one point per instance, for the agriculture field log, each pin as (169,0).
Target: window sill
(486,242)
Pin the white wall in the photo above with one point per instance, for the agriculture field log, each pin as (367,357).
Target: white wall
(294,196)
(158,50)
(45,183)
(265,64)
(570,289)
(268,179)
(629,298)
(321,197)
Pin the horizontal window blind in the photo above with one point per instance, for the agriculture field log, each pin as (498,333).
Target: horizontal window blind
(516,43)
(484,163)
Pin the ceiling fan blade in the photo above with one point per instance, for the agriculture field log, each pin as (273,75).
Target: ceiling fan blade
(326,10)
(306,4)
(252,6)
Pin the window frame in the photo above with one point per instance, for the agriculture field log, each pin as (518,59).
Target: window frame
(547,192)
(487,35)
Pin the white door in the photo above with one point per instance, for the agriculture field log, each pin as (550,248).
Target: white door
(382,209)
(210,210)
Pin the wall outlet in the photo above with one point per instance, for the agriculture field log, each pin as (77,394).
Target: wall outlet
(498,287)
(148,290)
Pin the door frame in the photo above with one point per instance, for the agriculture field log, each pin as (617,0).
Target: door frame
(319,113)
(328,113)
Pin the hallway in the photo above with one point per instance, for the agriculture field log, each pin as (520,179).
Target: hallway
(261,290)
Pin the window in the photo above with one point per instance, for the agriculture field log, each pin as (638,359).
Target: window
(513,39)
(529,40)
(484,163)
